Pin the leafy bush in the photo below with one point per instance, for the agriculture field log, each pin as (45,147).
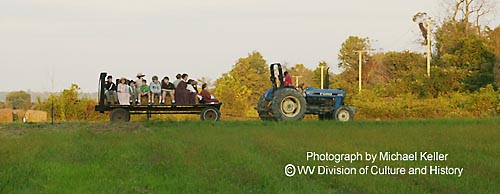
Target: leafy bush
(483,103)
(69,107)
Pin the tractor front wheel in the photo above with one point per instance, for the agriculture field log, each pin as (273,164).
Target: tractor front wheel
(344,114)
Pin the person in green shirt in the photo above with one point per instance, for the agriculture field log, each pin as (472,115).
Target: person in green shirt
(144,91)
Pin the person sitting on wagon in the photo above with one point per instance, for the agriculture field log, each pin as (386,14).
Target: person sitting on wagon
(123,92)
(181,92)
(194,83)
(193,92)
(134,93)
(167,88)
(138,83)
(155,88)
(206,97)
(110,90)
(140,77)
(178,79)
(144,91)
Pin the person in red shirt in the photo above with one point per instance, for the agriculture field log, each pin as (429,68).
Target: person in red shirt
(206,96)
(288,79)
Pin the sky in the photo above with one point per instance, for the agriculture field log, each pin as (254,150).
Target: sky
(46,45)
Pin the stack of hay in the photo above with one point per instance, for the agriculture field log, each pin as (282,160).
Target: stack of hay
(6,115)
(36,116)
(19,114)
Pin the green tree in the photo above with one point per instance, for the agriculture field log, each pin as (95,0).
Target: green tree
(233,94)
(18,100)
(461,47)
(400,64)
(347,56)
(241,88)
(68,106)
(301,70)
(316,78)
(494,39)
(253,73)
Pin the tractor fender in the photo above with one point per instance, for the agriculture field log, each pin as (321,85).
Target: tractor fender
(268,95)
(353,109)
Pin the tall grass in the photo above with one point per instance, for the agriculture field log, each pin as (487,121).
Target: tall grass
(239,157)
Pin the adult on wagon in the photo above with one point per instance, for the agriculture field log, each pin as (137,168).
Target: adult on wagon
(123,92)
(181,92)
(177,79)
(193,91)
(206,97)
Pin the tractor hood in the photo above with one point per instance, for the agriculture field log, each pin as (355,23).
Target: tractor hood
(315,92)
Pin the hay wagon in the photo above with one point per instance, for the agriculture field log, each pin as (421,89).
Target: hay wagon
(209,112)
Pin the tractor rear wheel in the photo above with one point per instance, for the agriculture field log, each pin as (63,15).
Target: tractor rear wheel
(288,104)
(119,114)
(344,114)
(263,109)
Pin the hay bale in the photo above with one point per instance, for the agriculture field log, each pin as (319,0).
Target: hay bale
(6,115)
(19,114)
(36,116)
(168,99)
(156,99)
(144,100)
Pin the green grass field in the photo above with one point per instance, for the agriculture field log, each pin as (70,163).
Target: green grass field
(241,157)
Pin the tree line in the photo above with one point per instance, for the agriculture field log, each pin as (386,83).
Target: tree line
(465,67)
(464,79)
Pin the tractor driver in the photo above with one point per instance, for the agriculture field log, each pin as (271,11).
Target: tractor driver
(287,80)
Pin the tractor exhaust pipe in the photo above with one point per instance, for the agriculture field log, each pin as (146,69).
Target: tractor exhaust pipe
(325,78)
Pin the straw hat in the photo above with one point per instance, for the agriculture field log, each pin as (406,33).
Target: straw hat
(140,75)
(123,78)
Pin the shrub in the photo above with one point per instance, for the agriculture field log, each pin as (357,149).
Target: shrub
(483,103)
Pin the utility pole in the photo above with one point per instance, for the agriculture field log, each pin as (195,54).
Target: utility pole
(360,54)
(322,67)
(297,80)
(52,97)
(429,48)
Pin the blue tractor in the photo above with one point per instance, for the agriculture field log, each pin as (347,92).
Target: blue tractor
(287,103)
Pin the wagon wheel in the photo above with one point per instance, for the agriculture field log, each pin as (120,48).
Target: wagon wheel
(119,114)
(210,114)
